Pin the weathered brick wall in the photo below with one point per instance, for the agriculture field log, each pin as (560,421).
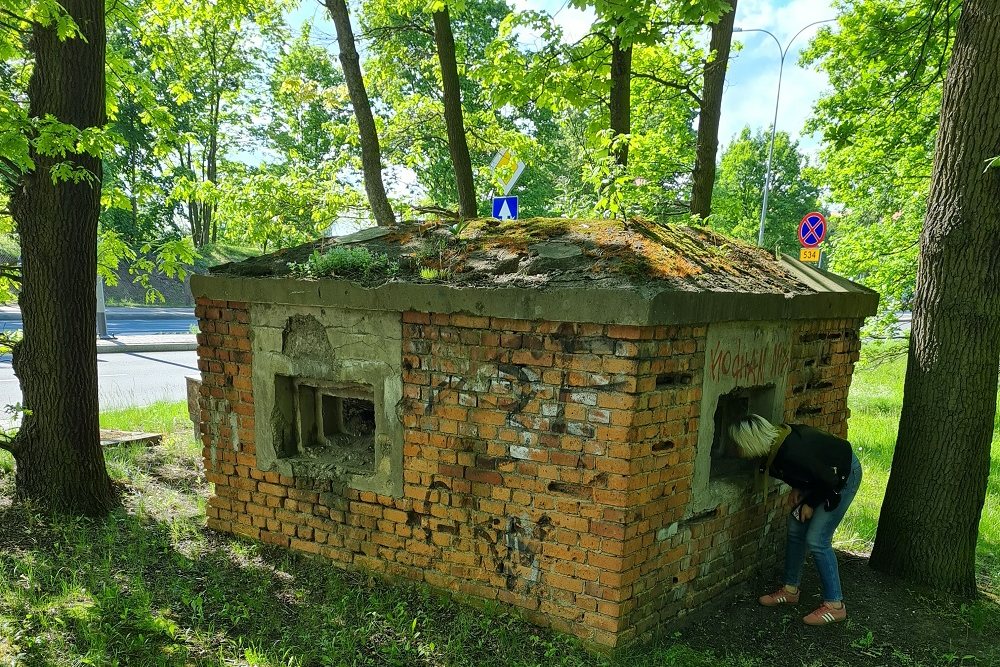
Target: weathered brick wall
(227,415)
(546,465)
(515,465)
(525,431)
(679,561)
(822,364)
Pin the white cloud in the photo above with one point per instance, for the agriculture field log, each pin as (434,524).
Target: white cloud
(752,79)
(574,22)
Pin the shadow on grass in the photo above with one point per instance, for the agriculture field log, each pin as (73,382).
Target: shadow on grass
(137,591)
(148,585)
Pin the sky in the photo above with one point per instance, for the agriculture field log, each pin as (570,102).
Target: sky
(752,77)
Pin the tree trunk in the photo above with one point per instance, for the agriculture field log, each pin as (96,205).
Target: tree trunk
(194,215)
(193,207)
(371,156)
(133,185)
(930,518)
(58,456)
(621,97)
(212,175)
(451,87)
(710,113)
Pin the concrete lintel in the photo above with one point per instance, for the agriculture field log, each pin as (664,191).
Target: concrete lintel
(563,304)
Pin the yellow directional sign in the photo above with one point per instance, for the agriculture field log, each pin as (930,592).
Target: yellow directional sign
(809,254)
(505,160)
(507,169)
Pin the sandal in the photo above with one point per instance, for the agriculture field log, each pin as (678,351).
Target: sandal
(780,596)
(826,614)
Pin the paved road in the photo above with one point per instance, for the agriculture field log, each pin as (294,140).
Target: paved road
(125,379)
(132,327)
(126,321)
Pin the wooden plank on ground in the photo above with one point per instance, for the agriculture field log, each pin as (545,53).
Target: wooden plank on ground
(114,438)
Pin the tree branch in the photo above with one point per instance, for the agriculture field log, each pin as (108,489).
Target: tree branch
(7,12)
(683,87)
(9,443)
(386,30)
(436,210)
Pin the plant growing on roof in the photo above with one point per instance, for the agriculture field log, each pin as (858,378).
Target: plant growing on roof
(429,273)
(344,262)
(459,227)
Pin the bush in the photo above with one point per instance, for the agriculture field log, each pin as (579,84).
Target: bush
(351,263)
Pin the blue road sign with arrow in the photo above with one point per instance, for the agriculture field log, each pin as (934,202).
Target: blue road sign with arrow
(505,208)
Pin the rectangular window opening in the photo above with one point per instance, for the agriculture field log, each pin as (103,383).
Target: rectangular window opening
(332,425)
(732,406)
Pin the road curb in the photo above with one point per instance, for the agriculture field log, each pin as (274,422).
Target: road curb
(112,347)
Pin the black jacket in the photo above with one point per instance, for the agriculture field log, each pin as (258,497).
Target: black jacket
(814,462)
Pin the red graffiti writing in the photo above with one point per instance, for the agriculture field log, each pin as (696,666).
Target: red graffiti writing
(748,365)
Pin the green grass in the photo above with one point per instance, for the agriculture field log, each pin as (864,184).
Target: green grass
(220,253)
(876,400)
(159,417)
(149,585)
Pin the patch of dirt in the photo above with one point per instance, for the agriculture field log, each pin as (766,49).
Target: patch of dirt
(889,622)
(543,252)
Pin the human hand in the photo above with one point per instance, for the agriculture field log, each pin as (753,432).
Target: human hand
(806,512)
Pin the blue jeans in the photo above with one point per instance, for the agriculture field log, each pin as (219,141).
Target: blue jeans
(816,535)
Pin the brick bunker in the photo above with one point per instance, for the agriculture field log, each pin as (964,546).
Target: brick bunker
(542,424)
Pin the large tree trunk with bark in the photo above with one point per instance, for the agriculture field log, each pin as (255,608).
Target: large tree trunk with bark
(451,87)
(371,155)
(621,97)
(57,452)
(930,518)
(709,114)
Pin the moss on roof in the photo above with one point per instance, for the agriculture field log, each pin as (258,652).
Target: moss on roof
(540,252)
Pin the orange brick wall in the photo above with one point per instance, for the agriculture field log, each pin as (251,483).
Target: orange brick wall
(678,562)
(542,465)
(822,364)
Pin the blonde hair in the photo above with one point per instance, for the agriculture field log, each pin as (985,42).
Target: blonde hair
(753,436)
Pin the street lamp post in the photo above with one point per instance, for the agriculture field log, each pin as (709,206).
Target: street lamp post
(783,51)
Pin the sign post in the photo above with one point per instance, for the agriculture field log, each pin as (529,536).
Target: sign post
(508,170)
(812,232)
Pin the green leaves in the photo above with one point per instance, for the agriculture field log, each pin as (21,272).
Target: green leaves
(347,262)
(573,82)
(46,13)
(171,258)
(740,187)
(15,146)
(181,94)
(71,173)
(886,65)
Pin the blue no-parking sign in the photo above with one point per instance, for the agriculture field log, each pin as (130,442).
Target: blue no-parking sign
(812,230)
